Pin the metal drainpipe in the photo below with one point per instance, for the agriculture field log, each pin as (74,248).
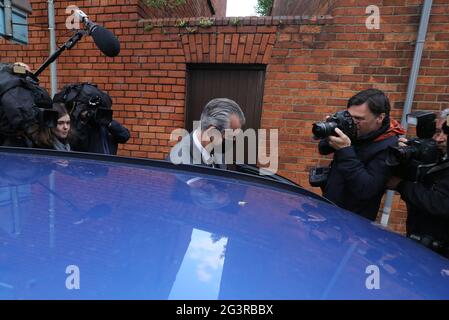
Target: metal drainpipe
(54,90)
(51,27)
(410,91)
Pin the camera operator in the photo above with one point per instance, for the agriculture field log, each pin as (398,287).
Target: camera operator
(92,119)
(98,137)
(358,173)
(428,198)
(25,107)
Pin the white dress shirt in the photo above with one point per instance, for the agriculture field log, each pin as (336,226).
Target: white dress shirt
(205,155)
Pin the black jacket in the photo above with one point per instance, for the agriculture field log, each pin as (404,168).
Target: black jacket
(428,203)
(99,139)
(358,174)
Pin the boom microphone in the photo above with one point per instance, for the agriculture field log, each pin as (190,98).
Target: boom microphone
(104,39)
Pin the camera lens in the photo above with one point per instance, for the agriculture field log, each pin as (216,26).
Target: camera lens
(323,129)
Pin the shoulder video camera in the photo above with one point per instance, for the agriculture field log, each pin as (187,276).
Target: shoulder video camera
(86,102)
(23,103)
(97,114)
(411,162)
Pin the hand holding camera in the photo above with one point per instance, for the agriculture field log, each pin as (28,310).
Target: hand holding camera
(340,142)
(341,120)
(99,116)
(402,142)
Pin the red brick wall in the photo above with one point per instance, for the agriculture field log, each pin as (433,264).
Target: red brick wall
(301,7)
(192,8)
(313,67)
(220,7)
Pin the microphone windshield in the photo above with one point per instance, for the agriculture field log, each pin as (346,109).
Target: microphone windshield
(106,41)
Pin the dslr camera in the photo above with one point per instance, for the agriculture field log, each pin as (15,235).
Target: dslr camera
(318,176)
(412,161)
(341,120)
(323,129)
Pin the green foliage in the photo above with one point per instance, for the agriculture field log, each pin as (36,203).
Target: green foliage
(181,23)
(234,21)
(191,30)
(263,7)
(206,22)
(159,4)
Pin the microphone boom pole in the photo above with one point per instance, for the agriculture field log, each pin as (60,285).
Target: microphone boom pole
(66,46)
(104,39)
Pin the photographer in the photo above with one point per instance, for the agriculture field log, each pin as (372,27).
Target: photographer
(358,173)
(428,198)
(25,107)
(91,113)
(99,137)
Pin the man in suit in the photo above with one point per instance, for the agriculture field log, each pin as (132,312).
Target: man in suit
(219,120)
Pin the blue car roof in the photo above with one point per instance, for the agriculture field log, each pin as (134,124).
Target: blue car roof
(78,226)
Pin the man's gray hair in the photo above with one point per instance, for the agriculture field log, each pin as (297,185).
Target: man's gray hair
(444,114)
(218,112)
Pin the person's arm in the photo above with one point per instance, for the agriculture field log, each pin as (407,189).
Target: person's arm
(365,181)
(118,132)
(433,201)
